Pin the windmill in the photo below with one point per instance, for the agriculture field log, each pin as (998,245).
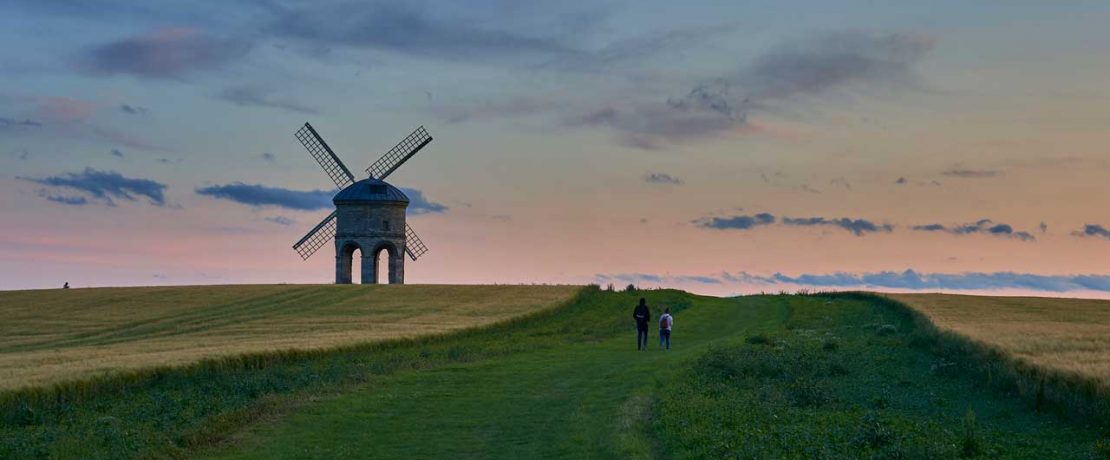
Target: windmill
(369,214)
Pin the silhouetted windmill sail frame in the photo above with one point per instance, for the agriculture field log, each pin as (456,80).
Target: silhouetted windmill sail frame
(338,172)
(399,154)
(325,156)
(316,238)
(414,246)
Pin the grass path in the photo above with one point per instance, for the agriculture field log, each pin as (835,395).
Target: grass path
(556,403)
(753,377)
(599,399)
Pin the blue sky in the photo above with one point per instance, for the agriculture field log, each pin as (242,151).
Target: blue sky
(147,143)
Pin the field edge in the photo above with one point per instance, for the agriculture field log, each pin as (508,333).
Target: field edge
(1044,389)
(82,389)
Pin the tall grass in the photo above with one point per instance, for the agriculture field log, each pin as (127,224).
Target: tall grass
(1066,393)
(50,336)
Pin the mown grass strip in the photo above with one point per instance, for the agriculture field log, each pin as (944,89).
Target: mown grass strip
(1044,389)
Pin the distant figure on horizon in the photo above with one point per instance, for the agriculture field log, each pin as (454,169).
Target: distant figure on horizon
(665,323)
(65,286)
(641,314)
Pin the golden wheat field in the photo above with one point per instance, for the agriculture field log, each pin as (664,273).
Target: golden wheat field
(49,336)
(1072,335)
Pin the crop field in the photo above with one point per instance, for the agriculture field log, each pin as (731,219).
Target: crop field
(1070,335)
(774,376)
(48,336)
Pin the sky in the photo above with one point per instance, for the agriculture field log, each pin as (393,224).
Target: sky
(720,147)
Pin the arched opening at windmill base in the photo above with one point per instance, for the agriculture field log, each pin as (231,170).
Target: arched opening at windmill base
(385,262)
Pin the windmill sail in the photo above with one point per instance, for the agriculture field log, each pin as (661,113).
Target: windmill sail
(323,154)
(321,234)
(414,247)
(399,154)
(324,232)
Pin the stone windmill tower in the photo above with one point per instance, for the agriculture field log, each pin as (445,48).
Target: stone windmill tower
(369,214)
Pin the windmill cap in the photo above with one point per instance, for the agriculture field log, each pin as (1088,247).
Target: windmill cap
(370,190)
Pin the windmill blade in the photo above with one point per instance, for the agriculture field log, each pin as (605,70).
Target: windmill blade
(414,247)
(321,234)
(399,154)
(323,154)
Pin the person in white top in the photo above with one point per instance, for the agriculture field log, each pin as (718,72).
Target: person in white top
(665,323)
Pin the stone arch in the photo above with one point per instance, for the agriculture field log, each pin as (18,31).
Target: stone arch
(396,264)
(343,261)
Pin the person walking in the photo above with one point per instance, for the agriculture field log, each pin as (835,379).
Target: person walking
(642,315)
(665,323)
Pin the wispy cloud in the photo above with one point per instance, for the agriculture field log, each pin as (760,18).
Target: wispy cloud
(281,220)
(645,278)
(246,96)
(104,186)
(59,109)
(661,178)
(858,227)
(637,47)
(485,109)
(652,127)
(69,200)
(984,226)
(576,59)
(133,109)
(1093,230)
(826,62)
(971,173)
(261,195)
(168,53)
(119,138)
(410,30)
(911,279)
(419,204)
(12,123)
(905,280)
(303,200)
(808,67)
(736,222)
(840,181)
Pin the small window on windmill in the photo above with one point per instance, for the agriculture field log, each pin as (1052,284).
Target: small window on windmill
(385,225)
(377,189)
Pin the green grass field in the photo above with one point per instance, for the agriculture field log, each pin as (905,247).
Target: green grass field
(839,376)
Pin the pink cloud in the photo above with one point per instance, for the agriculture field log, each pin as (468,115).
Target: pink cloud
(60,109)
(163,53)
(773,130)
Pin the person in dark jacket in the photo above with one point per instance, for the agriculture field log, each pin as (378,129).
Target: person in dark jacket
(642,315)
